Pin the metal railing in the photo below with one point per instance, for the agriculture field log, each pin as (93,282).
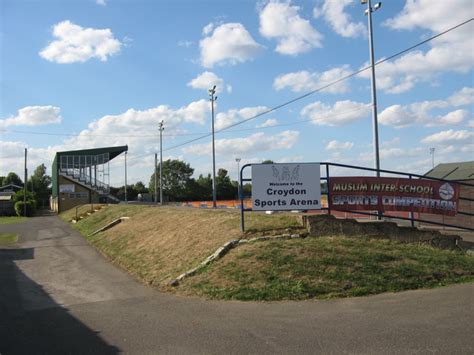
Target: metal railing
(379,214)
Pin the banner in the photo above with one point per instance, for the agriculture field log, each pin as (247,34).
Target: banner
(393,194)
(279,187)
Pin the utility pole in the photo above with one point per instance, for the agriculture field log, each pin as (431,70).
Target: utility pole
(126,177)
(161,128)
(368,12)
(24,184)
(156,178)
(213,98)
(432,151)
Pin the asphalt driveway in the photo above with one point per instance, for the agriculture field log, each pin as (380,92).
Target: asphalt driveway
(58,295)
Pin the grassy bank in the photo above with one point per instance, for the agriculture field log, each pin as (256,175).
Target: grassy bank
(328,267)
(158,243)
(8,239)
(13,219)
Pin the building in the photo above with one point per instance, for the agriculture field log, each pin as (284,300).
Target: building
(82,176)
(456,172)
(6,199)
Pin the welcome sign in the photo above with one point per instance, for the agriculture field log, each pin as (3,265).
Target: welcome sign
(280,187)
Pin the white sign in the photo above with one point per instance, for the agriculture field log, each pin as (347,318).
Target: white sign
(280,187)
(66,188)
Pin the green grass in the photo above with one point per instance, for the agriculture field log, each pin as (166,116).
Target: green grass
(10,220)
(8,238)
(327,268)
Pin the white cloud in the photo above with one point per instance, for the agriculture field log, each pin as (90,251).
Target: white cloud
(342,112)
(257,142)
(307,81)
(184,43)
(295,35)
(391,142)
(400,116)
(268,123)
(12,153)
(463,97)
(225,119)
(450,137)
(452,52)
(339,20)
(229,43)
(336,145)
(470,124)
(101,2)
(454,117)
(33,116)
(139,127)
(77,44)
(207,80)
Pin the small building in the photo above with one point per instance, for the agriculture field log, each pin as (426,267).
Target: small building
(7,205)
(456,172)
(82,176)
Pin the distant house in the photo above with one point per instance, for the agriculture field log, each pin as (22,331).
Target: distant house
(7,206)
(456,172)
(10,188)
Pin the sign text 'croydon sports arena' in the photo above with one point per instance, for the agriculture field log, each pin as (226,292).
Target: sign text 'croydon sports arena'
(286,187)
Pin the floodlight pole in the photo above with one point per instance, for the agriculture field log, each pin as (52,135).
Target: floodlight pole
(156,178)
(368,12)
(24,184)
(161,128)
(126,177)
(213,98)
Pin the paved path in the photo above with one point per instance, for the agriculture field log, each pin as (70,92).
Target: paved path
(58,295)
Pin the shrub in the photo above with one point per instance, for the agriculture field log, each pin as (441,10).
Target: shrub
(30,208)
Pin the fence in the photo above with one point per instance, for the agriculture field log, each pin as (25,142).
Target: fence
(466,198)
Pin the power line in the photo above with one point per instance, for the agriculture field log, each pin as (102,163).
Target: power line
(324,86)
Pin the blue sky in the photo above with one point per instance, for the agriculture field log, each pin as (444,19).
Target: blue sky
(84,73)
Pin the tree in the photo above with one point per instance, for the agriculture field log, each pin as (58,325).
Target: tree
(225,189)
(2,179)
(12,178)
(139,187)
(176,179)
(40,183)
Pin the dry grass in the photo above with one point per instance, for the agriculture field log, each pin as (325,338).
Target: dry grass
(159,243)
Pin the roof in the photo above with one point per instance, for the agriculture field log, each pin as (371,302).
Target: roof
(453,171)
(11,186)
(113,151)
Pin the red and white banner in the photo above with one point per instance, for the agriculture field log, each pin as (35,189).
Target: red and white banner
(393,194)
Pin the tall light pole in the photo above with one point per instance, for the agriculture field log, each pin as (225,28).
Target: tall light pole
(24,184)
(213,98)
(125,177)
(368,12)
(161,128)
(156,178)
(238,177)
(432,151)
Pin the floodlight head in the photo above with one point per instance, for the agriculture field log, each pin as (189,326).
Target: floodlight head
(363,2)
(377,6)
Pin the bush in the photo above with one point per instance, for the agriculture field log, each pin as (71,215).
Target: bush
(19,196)
(30,208)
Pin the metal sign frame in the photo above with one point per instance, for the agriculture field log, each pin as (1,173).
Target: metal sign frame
(326,178)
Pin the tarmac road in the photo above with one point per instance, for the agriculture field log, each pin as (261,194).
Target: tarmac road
(58,295)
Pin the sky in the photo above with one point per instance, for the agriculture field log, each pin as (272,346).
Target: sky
(81,74)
